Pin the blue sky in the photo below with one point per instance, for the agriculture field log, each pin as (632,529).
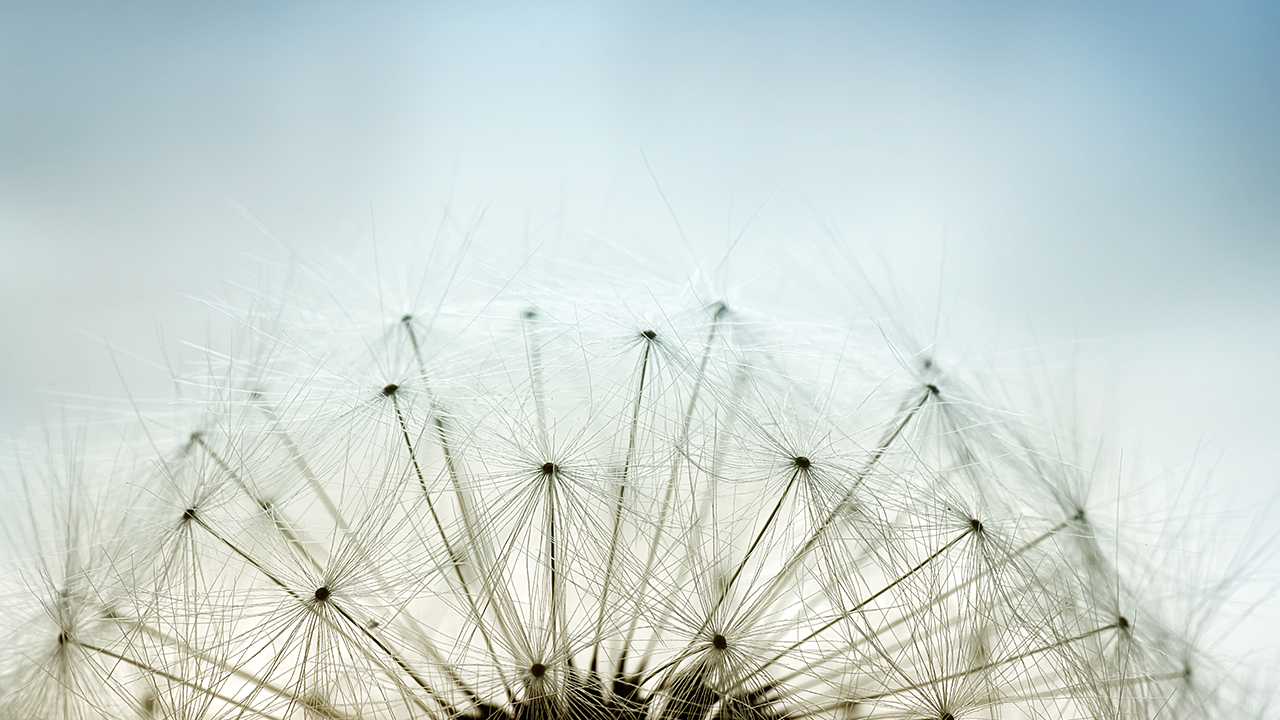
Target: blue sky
(1103,177)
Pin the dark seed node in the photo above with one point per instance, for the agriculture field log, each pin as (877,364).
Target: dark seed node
(529,314)
(1122,622)
(627,689)
(927,363)
(266,505)
(62,638)
(406,319)
(719,642)
(189,514)
(1078,516)
(390,389)
(374,624)
(933,389)
(801,462)
(947,716)
(976,524)
(195,436)
(537,669)
(322,593)
(549,468)
(649,334)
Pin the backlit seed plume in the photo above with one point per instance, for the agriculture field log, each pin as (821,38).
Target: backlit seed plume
(550,503)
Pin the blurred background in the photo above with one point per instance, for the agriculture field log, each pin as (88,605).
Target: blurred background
(1093,186)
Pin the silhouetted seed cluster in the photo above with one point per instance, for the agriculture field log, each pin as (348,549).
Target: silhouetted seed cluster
(542,512)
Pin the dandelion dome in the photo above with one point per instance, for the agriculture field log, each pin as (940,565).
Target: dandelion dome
(540,503)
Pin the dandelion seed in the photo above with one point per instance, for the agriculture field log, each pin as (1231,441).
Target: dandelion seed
(535,508)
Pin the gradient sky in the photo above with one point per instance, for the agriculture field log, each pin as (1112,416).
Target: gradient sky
(1093,175)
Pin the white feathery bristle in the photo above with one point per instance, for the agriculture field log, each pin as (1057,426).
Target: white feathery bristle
(531,501)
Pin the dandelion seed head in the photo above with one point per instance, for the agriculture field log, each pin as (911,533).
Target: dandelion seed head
(614,506)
